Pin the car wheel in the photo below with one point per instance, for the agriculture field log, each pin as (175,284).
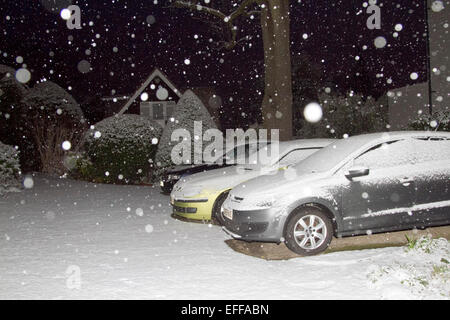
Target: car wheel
(308,232)
(216,214)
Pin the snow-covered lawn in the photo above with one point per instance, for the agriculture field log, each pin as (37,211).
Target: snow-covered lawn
(125,245)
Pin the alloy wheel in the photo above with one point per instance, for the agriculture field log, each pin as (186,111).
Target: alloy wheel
(310,232)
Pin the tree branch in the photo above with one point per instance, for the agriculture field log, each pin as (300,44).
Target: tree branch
(198,7)
(243,9)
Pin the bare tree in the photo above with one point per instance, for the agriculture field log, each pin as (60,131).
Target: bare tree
(275,26)
(52,117)
(48,138)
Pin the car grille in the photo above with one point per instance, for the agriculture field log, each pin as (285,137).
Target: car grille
(184,209)
(247,227)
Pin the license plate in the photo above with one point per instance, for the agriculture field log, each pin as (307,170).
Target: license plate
(228,213)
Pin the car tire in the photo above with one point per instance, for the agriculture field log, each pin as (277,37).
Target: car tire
(309,231)
(216,214)
(166,189)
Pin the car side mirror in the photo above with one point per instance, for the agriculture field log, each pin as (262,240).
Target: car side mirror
(355,172)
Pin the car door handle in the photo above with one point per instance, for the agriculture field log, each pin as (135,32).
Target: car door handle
(406,181)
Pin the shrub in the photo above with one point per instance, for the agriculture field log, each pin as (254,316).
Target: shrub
(350,114)
(9,168)
(438,121)
(189,109)
(13,128)
(119,149)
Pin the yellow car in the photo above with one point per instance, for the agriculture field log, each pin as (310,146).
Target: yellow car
(201,206)
(200,196)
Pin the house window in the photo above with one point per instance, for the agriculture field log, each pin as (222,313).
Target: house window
(158,111)
(169,111)
(145,109)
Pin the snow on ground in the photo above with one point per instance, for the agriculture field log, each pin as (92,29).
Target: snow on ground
(65,239)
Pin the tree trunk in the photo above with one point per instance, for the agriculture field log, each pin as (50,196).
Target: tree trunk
(277,101)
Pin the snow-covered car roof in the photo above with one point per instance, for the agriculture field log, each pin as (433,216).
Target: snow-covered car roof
(334,154)
(400,134)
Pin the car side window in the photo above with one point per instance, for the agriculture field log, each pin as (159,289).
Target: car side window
(403,152)
(295,156)
(379,156)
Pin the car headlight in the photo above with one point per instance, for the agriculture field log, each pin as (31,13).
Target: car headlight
(266,203)
(260,202)
(192,191)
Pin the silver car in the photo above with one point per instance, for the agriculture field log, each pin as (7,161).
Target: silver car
(360,185)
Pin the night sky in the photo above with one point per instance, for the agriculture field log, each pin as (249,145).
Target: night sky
(125,40)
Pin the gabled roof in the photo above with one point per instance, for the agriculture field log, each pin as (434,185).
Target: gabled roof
(153,75)
(118,97)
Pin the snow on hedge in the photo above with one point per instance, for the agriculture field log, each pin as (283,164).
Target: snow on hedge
(9,168)
(125,127)
(121,148)
(189,109)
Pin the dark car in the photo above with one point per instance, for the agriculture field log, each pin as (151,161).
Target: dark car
(172,175)
(361,185)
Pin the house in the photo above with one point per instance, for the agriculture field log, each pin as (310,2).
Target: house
(157,99)
(113,104)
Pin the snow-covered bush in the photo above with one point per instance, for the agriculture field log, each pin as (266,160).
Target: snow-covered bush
(423,270)
(439,121)
(188,110)
(119,149)
(13,128)
(350,114)
(9,168)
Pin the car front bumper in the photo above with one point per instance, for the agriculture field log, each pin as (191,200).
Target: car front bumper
(266,225)
(196,208)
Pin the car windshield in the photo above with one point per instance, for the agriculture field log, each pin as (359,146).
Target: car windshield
(241,153)
(253,157)
(330,156)
(269,156)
